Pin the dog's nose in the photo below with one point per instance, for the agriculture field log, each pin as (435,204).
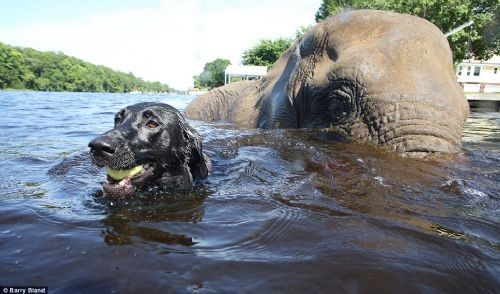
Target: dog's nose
(102,146)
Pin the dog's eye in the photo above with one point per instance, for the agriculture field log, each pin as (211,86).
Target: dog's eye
(152,124)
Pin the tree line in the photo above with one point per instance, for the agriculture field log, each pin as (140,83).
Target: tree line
(480,41)
(26,68)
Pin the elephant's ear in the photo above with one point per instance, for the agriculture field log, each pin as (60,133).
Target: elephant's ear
(199,164)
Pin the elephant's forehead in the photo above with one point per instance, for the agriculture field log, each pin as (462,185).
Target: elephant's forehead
(382,47)
(384,36)
(366,27)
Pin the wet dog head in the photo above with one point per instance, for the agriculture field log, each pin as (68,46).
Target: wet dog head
(150,145)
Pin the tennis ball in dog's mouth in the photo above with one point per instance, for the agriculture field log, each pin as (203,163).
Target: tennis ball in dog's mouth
(123,173)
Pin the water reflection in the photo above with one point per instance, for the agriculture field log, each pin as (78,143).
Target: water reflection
(482,128)
(148,217)
(122,226)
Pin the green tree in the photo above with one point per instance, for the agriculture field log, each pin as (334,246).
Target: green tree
(446,15)
(267,52)
(212,75)
(11,67)
(25,68)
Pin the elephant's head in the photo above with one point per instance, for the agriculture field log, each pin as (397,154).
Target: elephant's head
(380,77)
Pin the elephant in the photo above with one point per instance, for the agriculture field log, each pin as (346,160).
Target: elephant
(378,77)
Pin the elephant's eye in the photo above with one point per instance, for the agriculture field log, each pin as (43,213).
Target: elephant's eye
(341,104)
(118,120)
(152,124)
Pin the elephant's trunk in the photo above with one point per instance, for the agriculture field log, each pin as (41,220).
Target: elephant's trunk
(416,123)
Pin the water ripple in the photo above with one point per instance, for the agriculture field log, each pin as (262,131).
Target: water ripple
(282,210)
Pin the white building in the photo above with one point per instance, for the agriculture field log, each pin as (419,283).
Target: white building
(480,76)
(243,72)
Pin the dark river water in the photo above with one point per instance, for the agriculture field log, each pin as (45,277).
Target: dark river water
(283,211)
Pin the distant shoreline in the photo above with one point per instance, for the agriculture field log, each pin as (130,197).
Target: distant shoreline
(30,69)
(131,92)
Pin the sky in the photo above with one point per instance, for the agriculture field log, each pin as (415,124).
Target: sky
(158,40)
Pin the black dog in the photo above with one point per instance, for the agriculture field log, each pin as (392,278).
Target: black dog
(150,145)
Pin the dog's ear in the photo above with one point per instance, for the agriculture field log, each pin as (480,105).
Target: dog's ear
(199,164)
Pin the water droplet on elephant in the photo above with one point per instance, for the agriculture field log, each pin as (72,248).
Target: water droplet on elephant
(380,180)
